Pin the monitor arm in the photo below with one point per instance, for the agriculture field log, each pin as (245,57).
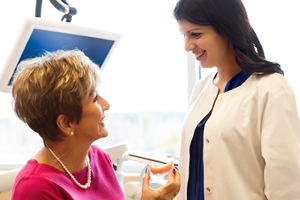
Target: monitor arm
(61,5)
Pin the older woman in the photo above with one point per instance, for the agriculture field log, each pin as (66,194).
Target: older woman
(56,95)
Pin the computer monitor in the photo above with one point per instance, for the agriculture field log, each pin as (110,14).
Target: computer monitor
(39,35)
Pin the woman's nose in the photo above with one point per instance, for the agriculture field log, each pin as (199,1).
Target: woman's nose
(188,45)
(104,103)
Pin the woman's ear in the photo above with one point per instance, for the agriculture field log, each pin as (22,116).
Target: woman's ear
(64,125)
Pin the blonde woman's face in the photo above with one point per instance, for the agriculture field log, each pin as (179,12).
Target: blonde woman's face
(91,125)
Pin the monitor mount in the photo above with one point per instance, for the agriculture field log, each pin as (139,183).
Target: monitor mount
(61,5)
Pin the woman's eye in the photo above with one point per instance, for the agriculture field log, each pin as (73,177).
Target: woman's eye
(196,35)
(95,98)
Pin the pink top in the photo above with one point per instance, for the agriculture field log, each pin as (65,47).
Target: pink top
(42,181)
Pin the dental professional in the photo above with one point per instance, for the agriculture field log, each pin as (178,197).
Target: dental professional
(241,132)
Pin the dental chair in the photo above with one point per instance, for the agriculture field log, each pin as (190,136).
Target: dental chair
(7,177)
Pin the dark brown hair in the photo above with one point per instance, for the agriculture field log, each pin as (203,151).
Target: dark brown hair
(229,18)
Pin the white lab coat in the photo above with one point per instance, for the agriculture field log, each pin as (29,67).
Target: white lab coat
(251,140)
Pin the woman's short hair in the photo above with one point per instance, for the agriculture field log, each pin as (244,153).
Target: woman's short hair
(52,84)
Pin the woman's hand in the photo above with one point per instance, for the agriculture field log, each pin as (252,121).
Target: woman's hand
(166,192)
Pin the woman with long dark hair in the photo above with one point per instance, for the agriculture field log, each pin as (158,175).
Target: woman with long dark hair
(241,134)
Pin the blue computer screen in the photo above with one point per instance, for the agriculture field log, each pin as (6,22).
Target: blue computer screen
(40,41)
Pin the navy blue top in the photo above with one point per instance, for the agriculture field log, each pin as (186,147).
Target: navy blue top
(195,187)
